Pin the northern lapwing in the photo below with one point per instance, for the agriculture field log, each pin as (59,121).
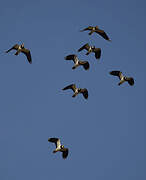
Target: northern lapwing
(90,49)
(77,91)
(59,147)
(122,78)
(20,48)
(97,30)
(77,62)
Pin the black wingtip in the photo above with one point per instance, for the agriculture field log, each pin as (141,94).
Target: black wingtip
(30,62)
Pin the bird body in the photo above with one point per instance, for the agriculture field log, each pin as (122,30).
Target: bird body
(77,62)
(59,147)
(77,91)
(96,29)
(20,48)
(122,78)
(90,49)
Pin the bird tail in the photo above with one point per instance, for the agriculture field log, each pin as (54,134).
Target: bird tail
(17,53)
(121,82)
(74,95)
(87,53)
(54,151)
(75,66)
(90,32)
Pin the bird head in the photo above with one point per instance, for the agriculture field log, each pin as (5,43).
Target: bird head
(79,89)
(62,146)
(22,45)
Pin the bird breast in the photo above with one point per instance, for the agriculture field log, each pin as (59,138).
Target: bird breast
(19,48)
(90,49)
(77,90)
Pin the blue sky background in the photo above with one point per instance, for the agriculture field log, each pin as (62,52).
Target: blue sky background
(106,133)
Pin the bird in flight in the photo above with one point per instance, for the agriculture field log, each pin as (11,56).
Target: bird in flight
(20,48)
(122,78)
(97,30)
(77,91)
(90,49)
(59,147)
(77,62)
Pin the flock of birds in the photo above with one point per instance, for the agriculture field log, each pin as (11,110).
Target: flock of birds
(77,62)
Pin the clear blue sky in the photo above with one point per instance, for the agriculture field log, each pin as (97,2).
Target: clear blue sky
(105,134)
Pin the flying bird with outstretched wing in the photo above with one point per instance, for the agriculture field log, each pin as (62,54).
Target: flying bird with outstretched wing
(77,62)
(122,78)
(59,147)
(96,29)
(90,49)
(77,91)
(20,48)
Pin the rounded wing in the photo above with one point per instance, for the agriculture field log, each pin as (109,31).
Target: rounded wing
(103,34)
(84,92)
(86,46)
(97,52)
(28,55)
(56,141)
(85,64)
(117,73)
(71,57)
(72,86)
(65,153)
(16,46)
(130,81)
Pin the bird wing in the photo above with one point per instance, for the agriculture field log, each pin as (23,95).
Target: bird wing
(88,28)
(65,153)
(97,52)
(117,73)
(130,80)
(16,46)
(86,46)
(71,57)
(85,64)
(72,86)
(27,53)
(102,33)
(84,92)
(56,141)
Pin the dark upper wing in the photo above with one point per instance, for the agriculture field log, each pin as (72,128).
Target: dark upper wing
(103,34)
(88,28)
(27,53)
(72,86)
(97,53)
(117,73)
(14,47)
(55,140)
(85,93)
(130,80)
(85,64)
(65,153)
(86,46)
(71,57)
